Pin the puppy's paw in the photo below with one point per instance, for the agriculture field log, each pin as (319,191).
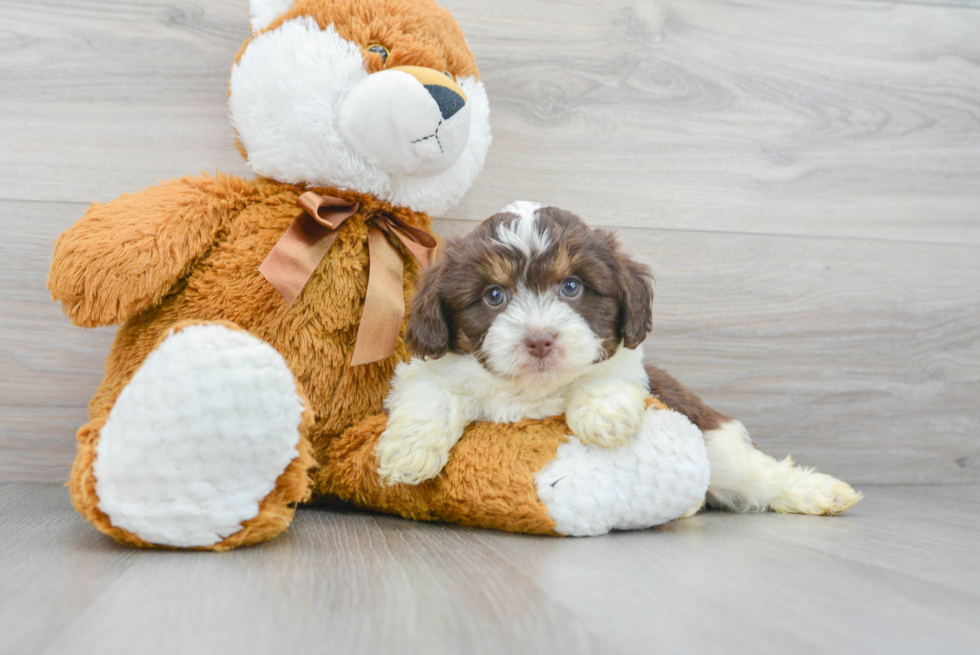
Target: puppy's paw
(412,454)
(815,493)
(606,414)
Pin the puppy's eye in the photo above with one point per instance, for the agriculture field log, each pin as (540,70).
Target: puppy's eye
(379,49)
(495,296)
(571,287)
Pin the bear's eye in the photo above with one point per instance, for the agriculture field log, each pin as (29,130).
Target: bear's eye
(495,296)
(447,74)
(571,287)
(379,49)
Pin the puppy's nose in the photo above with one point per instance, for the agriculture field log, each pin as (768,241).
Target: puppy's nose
(448,100)
(539,344)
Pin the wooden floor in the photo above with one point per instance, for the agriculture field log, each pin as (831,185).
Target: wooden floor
(802,175)
(899,574)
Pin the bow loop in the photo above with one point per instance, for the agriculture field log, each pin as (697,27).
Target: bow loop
(419,243)
(328,211)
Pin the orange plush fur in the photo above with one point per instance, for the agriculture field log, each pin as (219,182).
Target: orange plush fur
(212,234)
(417,33)
(487,483)
(275,511)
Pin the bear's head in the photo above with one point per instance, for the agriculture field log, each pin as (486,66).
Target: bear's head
(376,96)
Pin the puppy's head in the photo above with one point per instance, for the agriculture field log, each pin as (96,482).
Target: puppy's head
(531,291)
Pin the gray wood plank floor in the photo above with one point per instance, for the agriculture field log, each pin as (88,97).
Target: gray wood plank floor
(899,574)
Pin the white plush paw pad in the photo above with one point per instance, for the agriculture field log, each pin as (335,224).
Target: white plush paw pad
(661,474)
(198,437)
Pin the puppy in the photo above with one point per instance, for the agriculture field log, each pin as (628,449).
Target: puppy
(534,314)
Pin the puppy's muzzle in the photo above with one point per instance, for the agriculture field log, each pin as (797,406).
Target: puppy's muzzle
(410,121)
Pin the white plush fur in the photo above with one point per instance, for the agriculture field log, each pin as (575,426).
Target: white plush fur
(262,12)
(394,123)
(287,91)
(198,438)
(745,479)
(661,474)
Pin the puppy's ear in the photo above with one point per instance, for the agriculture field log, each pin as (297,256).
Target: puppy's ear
(635,301)
(428,329)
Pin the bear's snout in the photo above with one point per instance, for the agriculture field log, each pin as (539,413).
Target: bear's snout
(410,121)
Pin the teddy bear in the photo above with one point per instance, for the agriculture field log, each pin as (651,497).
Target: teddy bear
(261,321)
(243,349)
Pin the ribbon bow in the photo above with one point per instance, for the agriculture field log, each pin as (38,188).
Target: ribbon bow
(304,245)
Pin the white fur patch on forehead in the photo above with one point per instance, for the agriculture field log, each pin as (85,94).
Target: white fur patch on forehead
(523,233)
(262,12)
(523,208)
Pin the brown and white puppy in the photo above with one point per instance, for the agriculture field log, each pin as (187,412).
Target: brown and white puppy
(534,314)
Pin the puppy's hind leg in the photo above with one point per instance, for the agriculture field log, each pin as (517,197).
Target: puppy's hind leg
(743,478)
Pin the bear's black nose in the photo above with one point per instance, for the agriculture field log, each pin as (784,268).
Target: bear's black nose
(448,100)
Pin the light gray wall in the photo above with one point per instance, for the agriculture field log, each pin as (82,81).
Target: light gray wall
(804,178)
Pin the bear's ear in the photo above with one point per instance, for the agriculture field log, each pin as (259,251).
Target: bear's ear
(263,12)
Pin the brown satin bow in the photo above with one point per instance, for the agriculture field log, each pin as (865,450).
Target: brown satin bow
(304,245)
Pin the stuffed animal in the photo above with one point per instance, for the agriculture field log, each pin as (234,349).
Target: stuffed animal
(535,476)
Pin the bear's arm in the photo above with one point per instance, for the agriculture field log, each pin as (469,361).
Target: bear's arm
(125,256)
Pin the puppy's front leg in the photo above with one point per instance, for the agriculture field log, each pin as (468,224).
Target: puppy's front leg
(424,423)
(606,411)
